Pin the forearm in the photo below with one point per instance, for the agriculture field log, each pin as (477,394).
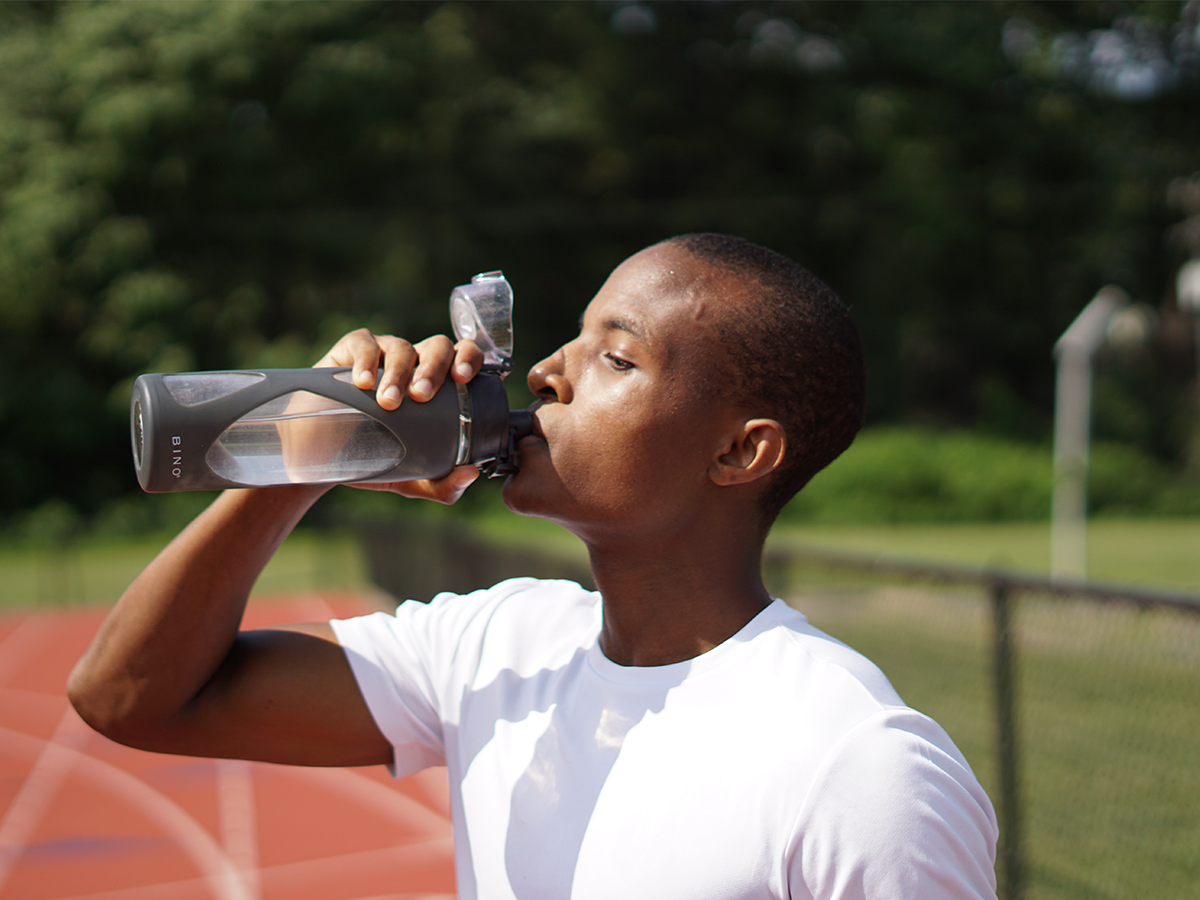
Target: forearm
(169,671)
(177,622)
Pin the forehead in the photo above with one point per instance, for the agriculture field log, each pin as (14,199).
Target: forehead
(665,296)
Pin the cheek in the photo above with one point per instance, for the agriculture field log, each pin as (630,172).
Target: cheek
(615,451)
(621,457)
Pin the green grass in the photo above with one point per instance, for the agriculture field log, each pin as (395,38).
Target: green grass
(1159,552)
(1107,723)
(1110,725)
(1163,553)
(98,571)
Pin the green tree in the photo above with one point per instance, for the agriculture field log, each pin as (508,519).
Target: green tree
(234,184)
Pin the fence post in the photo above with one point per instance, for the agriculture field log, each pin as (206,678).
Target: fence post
(1006,742)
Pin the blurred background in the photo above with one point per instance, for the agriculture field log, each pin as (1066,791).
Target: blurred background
(199,186)
(203,186)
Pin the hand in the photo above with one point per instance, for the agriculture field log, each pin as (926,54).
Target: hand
(441,490)
(418,370)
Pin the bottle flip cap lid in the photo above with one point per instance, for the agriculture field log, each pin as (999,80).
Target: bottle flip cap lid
(482,312)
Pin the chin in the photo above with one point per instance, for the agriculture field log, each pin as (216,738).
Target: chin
(521,489)
(525,495)
(514,496)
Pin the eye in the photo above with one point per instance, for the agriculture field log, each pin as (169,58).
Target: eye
(621,365)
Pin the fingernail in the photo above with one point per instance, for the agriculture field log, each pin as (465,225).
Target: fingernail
(423,388)
(391,392)
(464,370)
(465,480)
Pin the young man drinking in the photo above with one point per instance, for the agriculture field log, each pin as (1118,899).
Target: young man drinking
(678,733)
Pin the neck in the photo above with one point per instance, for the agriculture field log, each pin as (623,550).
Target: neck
(669,599)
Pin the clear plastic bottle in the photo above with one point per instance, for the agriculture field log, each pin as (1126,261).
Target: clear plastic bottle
(255,428)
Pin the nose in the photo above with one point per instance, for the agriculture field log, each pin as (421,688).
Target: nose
(548,381)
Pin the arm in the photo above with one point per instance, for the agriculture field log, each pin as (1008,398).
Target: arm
(169,671)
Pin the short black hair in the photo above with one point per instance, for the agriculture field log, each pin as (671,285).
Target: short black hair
(795,352)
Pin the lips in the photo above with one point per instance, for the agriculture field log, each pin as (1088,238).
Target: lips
(537,424)
(538,436)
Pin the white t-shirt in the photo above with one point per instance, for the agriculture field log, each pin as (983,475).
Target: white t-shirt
(780,764)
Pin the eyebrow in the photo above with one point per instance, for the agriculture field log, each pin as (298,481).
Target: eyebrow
(617,323)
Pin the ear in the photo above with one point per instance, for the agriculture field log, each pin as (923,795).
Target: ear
(756,448)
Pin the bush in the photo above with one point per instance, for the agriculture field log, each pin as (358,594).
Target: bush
(906,474)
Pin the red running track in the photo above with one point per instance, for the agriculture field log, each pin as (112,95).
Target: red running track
(86,818)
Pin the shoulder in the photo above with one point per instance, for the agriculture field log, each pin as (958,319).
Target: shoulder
(534,608)
(411,666)
(888,805)
(896,810)
(520,612)
(820,672)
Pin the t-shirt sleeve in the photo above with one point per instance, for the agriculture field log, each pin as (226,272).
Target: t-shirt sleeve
(394,664)
(410,667)
(896,813)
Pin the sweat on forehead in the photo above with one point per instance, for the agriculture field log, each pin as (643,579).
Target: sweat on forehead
(700,301)
(704,292)
(718,296)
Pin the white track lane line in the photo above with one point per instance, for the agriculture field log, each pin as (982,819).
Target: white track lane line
(221,876)
(400,808)
(238,825)
(294,876)
(234,787)
(37,792)
(305,872)
(393,804)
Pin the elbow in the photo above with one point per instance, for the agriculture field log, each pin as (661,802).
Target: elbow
(124,708)
(93,704)
(106,706)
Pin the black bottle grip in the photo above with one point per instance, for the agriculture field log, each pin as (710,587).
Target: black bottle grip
(214,430)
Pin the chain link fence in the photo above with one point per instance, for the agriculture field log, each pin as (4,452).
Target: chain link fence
(1078,706)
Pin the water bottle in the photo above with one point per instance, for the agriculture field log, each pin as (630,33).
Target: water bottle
(254,428)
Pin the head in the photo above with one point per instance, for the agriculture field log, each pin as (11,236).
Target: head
(791,353)
(703,363)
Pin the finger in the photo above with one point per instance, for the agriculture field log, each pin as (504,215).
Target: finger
(358,349)
(434,356)
(468,360)
(441,490)
(447,490)
(355,345)
(399,358)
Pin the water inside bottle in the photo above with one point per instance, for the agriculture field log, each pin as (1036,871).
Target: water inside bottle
(304,438)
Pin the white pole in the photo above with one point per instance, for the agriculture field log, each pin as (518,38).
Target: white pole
(1072,408)
(1072,425)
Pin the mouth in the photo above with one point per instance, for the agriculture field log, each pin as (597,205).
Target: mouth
(537,423)
(538,436)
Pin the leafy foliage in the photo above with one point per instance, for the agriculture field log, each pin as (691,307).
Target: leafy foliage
(896,474)
(235,184)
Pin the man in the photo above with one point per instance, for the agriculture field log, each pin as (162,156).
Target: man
(677,734)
